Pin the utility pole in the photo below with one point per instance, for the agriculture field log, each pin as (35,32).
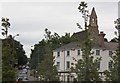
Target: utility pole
(117,26)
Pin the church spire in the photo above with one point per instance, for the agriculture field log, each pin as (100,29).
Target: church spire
(93,25)
(93,18)
(93,13)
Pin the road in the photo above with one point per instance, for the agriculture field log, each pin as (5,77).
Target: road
(31,78)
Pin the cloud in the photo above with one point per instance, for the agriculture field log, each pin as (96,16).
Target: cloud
(29,19)
(59,0)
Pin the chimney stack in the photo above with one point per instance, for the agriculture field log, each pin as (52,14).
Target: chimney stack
(101,38)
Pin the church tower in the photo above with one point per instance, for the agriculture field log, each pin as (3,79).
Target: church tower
(94,34)
(98,39)
(93,25)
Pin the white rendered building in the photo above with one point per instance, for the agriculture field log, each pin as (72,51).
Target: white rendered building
(67,55)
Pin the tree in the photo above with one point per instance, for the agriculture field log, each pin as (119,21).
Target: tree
(8,71)
(114,73)
(117,26)
(47,71)
(114,40)
(86,68)
(37,54)
(20,53)
(8,55)
(42,52)
(6,25)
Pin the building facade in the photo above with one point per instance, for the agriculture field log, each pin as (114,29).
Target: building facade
(66,56)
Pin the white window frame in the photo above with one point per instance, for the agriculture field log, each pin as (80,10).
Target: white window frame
(78,52)
(68,53)
(97,52)
(58,54)
(110,53)
(67,64)
(110,64)
(58,65)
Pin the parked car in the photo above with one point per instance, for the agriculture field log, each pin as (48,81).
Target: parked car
(19,79)
(25,79)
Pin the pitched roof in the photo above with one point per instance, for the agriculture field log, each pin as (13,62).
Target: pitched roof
(111,45)
(80,35)
(68,46)
(77,45)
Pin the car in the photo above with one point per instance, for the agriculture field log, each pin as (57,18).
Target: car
(24,71)
(25,79)
(27,67)
(20,78)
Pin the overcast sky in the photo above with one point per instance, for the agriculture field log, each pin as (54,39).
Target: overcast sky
(29,19)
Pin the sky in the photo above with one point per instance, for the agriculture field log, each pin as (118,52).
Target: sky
(29,19)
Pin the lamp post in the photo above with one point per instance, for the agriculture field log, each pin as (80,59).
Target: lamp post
(117,26)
